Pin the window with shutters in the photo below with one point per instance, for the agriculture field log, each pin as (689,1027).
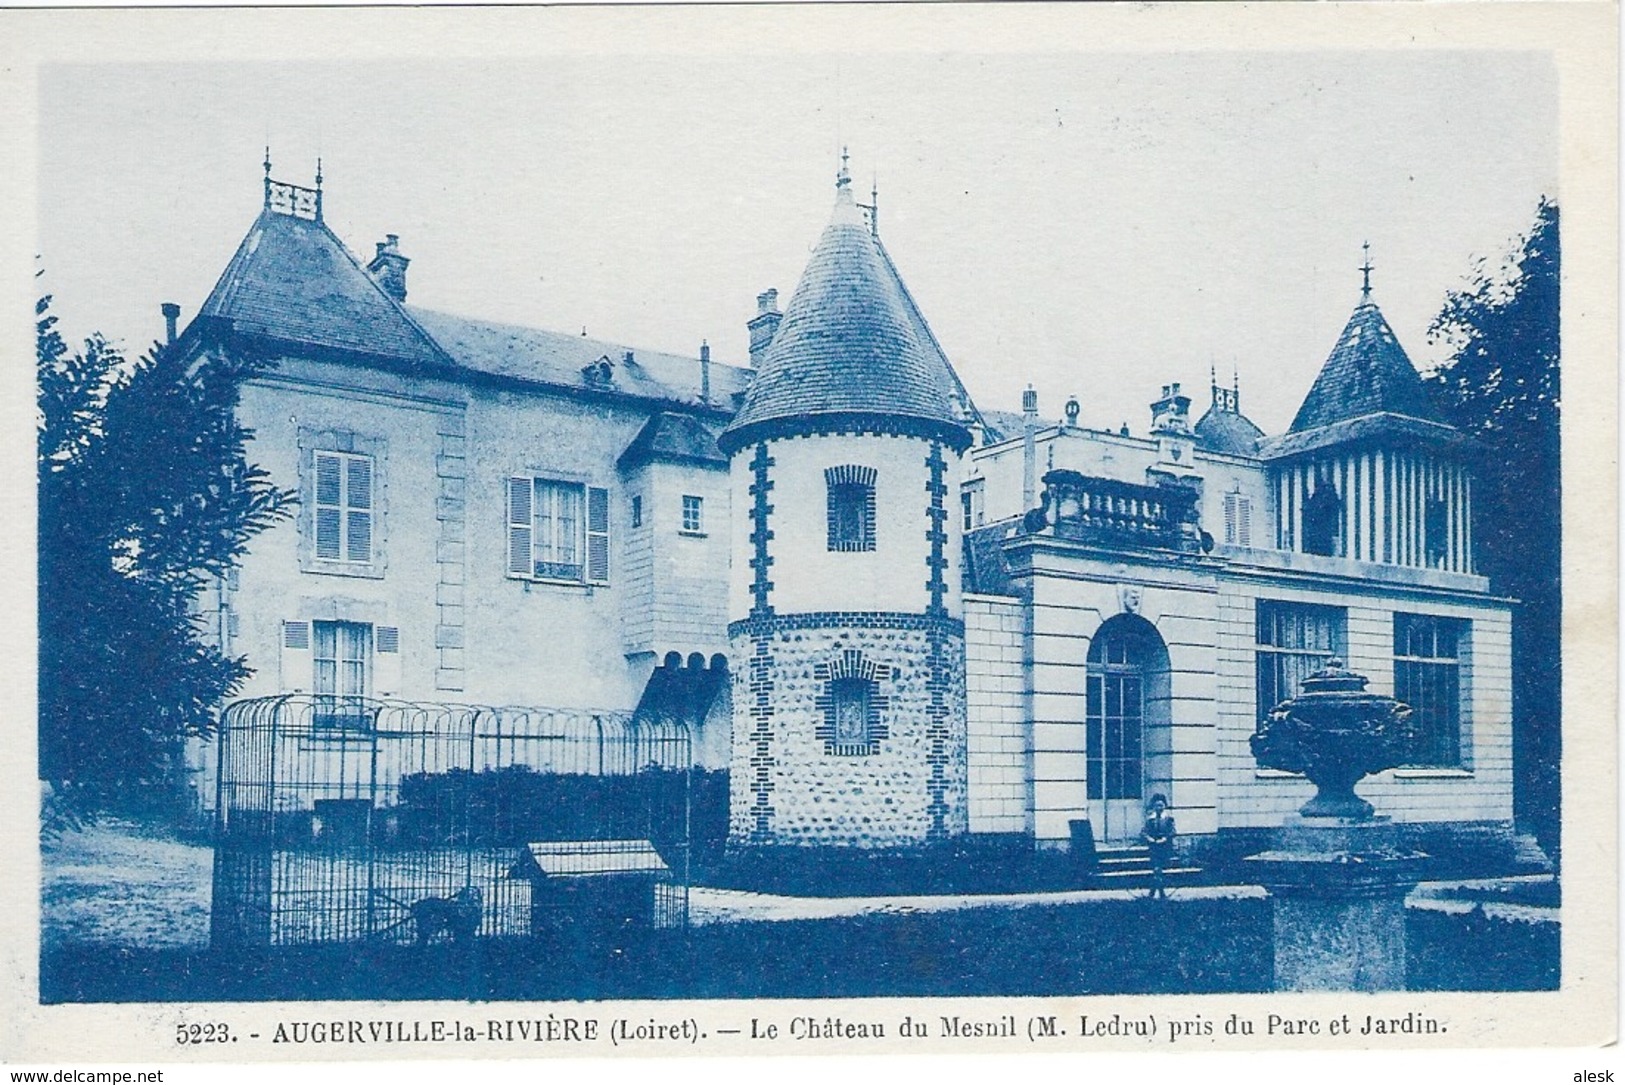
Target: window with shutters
(558,531)
(341,504)
(1427,676)
(1238,520)
(1294,640)
(342,658)
(343,515)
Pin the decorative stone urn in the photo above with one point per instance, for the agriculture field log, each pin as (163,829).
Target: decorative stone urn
(1334,732)
(1338,873)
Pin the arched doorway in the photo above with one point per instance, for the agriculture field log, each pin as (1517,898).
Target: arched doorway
(1128,739)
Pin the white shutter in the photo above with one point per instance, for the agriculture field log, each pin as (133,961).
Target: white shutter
(519,527)
(358,510)
(296,658)
(329,510)
(1244,521)
(1230,519)
(386,673)
(597,535)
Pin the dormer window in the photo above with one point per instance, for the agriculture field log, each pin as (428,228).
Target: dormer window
(851,508)
(599,374)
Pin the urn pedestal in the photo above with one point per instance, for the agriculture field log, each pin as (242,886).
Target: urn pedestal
(1338,887)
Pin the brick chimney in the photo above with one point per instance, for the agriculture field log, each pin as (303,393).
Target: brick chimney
(764,325)
(389,267)
(705,372)
(172,314)
(1171,412)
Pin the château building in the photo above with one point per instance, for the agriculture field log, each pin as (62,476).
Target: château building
(893,617)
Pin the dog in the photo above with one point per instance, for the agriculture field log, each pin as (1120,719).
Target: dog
(458,916)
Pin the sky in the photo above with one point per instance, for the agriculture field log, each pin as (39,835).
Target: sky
(1095,224)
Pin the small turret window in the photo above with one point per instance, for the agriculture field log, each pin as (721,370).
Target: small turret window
(851,508)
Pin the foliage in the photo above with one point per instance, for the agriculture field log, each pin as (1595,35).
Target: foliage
(1502,386)
(145,498)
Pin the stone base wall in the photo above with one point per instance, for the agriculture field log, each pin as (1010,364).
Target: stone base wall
(791,784)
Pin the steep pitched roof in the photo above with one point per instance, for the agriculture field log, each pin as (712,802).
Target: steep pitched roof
(671,437)
(848,344)
(560,360)
(1367,373)
(292,279)
(1227,431)
(947,376)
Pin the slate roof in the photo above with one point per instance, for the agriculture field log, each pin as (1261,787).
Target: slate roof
(948,377)
(1227,431)
(985,571)
(558,359)
(1367,373)
(1369,428)
(848,341)
(671,437)
(292,279)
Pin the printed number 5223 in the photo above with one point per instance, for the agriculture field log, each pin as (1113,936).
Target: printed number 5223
(203,1034)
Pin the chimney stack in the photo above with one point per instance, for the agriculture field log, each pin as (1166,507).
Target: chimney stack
(172,314)
(389,267)
(764,325)
(705,371)
(1171,412)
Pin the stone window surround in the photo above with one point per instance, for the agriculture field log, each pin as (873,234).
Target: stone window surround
(312,440)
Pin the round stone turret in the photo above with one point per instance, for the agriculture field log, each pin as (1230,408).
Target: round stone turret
(845,623)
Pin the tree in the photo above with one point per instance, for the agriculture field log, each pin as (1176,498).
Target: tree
(145,495)
(1501,385)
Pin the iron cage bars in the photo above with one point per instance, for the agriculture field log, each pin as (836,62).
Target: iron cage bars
(333,822)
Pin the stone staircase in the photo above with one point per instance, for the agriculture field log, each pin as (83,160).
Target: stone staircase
(1129,867)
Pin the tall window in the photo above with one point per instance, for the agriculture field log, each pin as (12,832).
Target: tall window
(557,530)
(342,651)
(1435,530)
(343,515)
(1115,718)
(1294,641)
(1322,519)
(1427,676)
(693,515)
(851,507)
(1238,520)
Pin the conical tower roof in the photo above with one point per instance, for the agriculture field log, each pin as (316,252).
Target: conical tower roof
(847,349)
(1367,373)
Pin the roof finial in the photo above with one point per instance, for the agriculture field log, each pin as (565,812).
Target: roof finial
(318,188)
(1365,271)
(844,177)
(874,204)
(267,175)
